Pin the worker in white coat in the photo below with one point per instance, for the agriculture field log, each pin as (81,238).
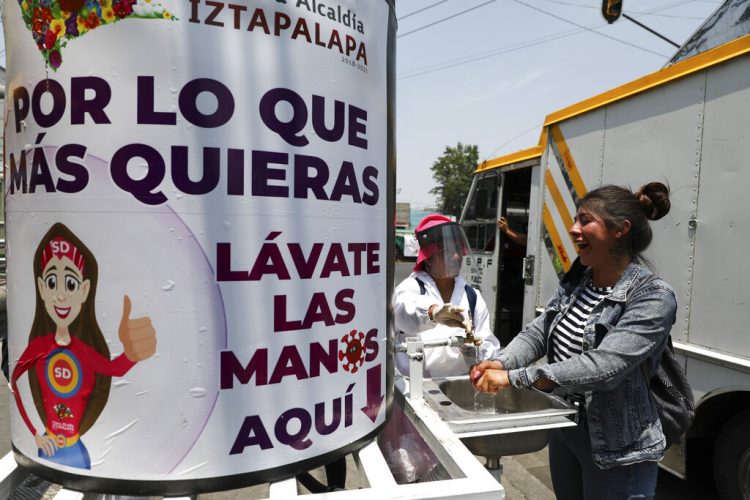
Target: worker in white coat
(435,303)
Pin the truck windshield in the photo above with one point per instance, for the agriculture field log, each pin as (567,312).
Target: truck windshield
(479,220)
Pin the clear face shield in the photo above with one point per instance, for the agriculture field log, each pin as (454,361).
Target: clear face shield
(444,247)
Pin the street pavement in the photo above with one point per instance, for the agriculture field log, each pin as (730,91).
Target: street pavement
(524,477)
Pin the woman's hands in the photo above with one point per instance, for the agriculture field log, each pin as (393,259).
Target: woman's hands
(489,376)
(46,444)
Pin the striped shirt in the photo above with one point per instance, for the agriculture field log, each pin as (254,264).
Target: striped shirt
(567,337)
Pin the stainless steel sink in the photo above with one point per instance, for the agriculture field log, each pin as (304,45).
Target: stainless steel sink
(512,422)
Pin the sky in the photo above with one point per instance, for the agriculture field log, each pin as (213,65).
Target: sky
(487,72)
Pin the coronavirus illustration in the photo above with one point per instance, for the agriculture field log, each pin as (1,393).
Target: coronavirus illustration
(352,355)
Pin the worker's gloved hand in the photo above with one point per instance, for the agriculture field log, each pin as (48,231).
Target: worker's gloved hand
(450,315)
(468,350)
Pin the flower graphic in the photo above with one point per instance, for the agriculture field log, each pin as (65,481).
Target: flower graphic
(54,23)
(108,15)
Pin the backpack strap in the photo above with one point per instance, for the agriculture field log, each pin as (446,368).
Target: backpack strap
(422,289)
(471,294)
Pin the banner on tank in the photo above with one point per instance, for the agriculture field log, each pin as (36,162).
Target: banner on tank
(197,226)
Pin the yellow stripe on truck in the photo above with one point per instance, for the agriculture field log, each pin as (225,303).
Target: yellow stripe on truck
(562,209)
(517,157)
(569,164)
(554,235)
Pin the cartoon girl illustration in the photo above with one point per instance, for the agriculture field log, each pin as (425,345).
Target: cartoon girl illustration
(67,357)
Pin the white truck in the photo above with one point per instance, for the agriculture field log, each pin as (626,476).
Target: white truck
(686,124)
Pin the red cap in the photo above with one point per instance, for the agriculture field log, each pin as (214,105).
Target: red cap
(431,220)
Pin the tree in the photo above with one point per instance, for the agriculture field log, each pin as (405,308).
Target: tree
(453,173)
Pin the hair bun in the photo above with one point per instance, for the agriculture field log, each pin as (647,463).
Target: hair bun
(654,200)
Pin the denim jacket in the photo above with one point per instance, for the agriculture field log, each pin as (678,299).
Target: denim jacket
(628,328)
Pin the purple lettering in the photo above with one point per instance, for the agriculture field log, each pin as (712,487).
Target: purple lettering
(318,310)
(357,124)
(319,356)
(224,264)
(373,258)
(211,170)
(20,106)
(346,184)
(18,173)
(40,173)
(335,262)
(357,249)
(269,261)
(54,89)
(289,363)
(305,268)
(145,114)
(320,421)
(231,368)
(369,178)
(262,174)
(251,433)
(344,306)
(299,440)
(281,22)
(188,101)
(80,106)
(286,130)
(371,345)
(305,180)
(280,323)
(235,172)
(79,174)
(319,119)
(142,188)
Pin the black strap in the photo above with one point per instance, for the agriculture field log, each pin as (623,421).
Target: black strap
(471,294)
(422,289)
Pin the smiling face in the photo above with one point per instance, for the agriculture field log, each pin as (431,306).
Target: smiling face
(594,241)
(63,290)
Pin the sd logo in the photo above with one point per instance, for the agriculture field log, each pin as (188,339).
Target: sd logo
(63,373)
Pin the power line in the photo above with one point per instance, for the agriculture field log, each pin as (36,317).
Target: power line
(587,29)
(539,126)
(486,55)
(422,9)
(672,16)
(535,127)
(444,19)
(512,48)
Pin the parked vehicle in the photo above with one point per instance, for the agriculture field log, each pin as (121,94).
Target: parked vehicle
(687,125)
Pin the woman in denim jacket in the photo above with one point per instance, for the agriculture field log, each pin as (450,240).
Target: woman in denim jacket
(609,317)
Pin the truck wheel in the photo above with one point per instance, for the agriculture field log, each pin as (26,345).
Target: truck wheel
(732,458)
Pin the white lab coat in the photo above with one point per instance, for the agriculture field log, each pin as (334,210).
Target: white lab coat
(411,320)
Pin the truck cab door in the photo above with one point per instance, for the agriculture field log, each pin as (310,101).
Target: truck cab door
(479,220)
